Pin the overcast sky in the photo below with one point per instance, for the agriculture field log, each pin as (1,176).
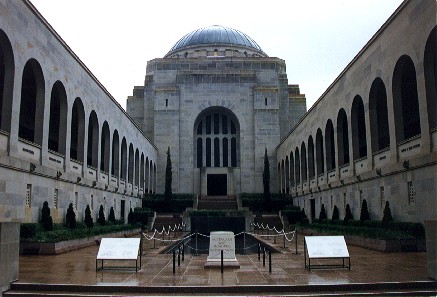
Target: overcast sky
(116,38)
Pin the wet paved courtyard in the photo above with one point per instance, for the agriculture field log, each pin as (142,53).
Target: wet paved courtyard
(79,267)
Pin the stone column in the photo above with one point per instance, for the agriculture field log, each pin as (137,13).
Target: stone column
(9,253)
(431,247)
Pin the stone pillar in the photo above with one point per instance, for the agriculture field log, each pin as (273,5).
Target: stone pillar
(431,247)
(9,254)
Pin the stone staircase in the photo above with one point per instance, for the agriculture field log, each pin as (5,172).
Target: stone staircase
(217,203)
(164,220)
(270,220)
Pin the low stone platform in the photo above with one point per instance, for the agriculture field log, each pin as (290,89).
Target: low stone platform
(372,272)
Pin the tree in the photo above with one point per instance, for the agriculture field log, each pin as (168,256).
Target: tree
(101,220)
(131,217)
(88,218)
(387,214)
(322,215)
(168,181)
(335,214)
(70,218)
(111,217)
(266,182)
(364,215)
(348,216)
(46,219)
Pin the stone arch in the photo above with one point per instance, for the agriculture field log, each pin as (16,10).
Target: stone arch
(320,158)
(212,130)
(58,118)
(130,167)
(359,140)
(93,140)
(287,175)
(7,72)
(303,161)
(292,170)
(123,172)
(137,167)
(105,148)
(379,129)
(32,103)
(311,168)
(430,68)
(405,100)
(115,164)
(142,169)
(342,138)
(147,176)
(330,146)
(77,131)
(297,165)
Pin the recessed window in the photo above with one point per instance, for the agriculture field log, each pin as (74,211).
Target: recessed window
(381,195)
(55,199)
(411,193)
(76,198)
(166,102)
(265,101)
(28,195)
(92,201)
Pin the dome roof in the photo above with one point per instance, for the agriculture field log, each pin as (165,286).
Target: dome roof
(217,35)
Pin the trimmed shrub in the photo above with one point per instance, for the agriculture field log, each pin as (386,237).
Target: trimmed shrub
(70,218)
(88,218)
(111,216)
(130,217)
(179,203)
(387,217)
(348,215)
(322,215)
(255,201)
(46,218)
(101,220)
(335,214)
(364,215)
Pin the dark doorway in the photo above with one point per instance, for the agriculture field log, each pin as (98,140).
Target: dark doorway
(217,184)
(122,210)
(313,209)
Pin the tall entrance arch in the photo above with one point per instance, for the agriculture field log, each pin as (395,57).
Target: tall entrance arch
(216,152)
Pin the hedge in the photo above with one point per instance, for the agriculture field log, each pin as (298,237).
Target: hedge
(32,232)
(255,201)
(215,213)
(179,203)
(371,229)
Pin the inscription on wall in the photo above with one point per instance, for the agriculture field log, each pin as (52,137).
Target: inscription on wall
(28,151)
(54,160)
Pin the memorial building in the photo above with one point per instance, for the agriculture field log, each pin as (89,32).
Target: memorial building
(218,102)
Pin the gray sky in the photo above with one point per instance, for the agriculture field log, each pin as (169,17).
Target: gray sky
(116,38)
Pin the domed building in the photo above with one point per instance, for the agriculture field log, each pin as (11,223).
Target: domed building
(217,101)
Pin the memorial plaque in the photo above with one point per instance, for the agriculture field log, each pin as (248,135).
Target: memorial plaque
(118,249)
(326,247)
(222,241)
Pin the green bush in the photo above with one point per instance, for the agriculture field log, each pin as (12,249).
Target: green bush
(179,203)
(88,218)
(364,214)
(101,220)
(335,214)
(70,218)
(293,214)
(371,229)
(141,216)
(215,213)
(35,233)
(255,201)
(111,217)
(46,218)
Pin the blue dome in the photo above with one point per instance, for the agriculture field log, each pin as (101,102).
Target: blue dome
(218,35)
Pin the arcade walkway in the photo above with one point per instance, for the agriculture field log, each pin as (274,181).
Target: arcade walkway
(288,274)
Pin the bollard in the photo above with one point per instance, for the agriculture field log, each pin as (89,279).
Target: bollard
(270,261)
(259,251)
(295,235)
(284,240)
(244,243)
(183,252)
(196,245)
(163,236)
(264,256)
(154,242)
(221,265)
(174,261)
(179,258)
(274,238)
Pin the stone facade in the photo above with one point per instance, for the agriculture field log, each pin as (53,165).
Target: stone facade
(63,138)
(251,90)
(373,135)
